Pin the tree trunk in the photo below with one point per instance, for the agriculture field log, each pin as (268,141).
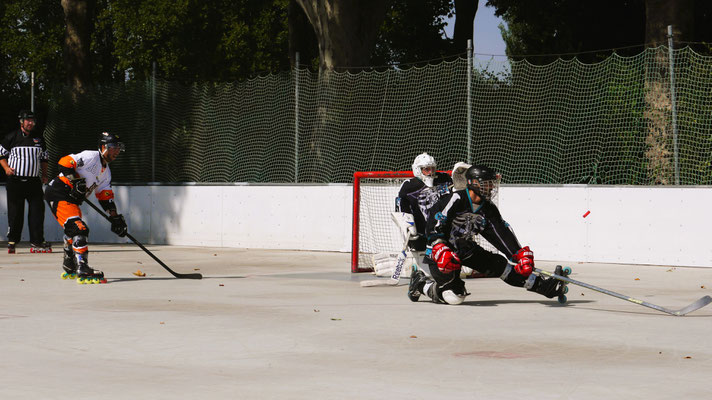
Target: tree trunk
(658,15)
(301,35)
(78,16)
(346,30)
(465,11)
(661,13)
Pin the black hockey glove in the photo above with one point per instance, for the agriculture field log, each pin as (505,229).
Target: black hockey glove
(118,225)
(79,190)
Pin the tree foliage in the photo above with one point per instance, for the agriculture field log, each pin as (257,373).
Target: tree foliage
(197,39)
(412,31)
(543,30)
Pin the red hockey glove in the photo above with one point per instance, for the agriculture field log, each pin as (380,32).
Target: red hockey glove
(525,261)
(446,259)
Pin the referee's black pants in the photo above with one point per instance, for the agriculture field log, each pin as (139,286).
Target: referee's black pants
(20,190)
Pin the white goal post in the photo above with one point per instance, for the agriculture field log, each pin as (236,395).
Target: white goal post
(373,231)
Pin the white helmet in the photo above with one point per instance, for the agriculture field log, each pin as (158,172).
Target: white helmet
(422,161)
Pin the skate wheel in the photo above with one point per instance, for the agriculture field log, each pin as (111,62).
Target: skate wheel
(567,271)
(565,290)
(562,299)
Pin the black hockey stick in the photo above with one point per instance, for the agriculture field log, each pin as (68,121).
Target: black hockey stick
(176,274)
(703,301)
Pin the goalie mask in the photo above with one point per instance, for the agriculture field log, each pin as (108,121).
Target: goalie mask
(425,161)
(483,181)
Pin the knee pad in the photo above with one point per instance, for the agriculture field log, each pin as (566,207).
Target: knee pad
(451,292)
(75,227)
(452,298)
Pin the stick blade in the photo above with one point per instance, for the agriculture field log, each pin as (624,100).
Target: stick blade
(379,282)
(188,276)
(703,301)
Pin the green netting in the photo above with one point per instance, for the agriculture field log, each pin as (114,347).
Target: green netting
(566,122)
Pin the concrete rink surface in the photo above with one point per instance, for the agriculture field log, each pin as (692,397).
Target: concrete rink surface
(269,324)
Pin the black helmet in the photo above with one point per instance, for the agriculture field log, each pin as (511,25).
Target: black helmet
(482,180)
(110,140)
(26,114)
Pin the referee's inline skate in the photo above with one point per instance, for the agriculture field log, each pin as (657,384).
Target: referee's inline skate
(44,247)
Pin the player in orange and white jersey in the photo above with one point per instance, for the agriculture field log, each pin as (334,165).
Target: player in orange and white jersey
(80,175)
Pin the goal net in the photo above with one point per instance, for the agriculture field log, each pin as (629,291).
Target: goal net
(373,230)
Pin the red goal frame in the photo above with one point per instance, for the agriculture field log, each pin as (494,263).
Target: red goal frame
(358,175)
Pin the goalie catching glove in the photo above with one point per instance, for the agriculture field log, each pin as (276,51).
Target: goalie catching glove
(525,261)
(445,258)
(118,225)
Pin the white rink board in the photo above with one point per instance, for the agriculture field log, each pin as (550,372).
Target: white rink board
(627,224)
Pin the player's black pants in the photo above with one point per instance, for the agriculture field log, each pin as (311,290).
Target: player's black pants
(20,190)
(485,262)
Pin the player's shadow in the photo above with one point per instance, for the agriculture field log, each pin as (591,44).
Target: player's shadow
(549,303)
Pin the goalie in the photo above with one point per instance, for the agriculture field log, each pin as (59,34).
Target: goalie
(415,197)
(451,228)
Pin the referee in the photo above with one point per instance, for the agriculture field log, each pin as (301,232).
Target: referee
(23,156)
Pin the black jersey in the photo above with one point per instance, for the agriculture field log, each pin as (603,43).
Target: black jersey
(415,198)
(455,217)
(24,153)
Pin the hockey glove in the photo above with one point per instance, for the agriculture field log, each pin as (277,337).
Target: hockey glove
(79,190)
(118,225)
(525,261)
(445,258)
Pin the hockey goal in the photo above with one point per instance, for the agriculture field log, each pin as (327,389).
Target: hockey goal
(373,231)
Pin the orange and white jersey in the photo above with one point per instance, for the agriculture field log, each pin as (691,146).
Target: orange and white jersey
(87,165)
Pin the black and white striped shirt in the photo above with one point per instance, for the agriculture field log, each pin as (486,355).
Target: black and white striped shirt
(24,153)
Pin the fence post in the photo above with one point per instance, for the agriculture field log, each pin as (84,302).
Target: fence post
(32,92)
(469,100)
(153,123)
(296,117)
(674,107)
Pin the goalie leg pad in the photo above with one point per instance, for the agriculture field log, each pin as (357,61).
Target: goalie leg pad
(384,264)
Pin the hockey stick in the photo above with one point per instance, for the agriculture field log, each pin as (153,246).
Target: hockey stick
(176,274)
(395,278)
(703,301)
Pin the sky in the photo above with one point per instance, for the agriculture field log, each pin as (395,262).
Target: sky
(487,38)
